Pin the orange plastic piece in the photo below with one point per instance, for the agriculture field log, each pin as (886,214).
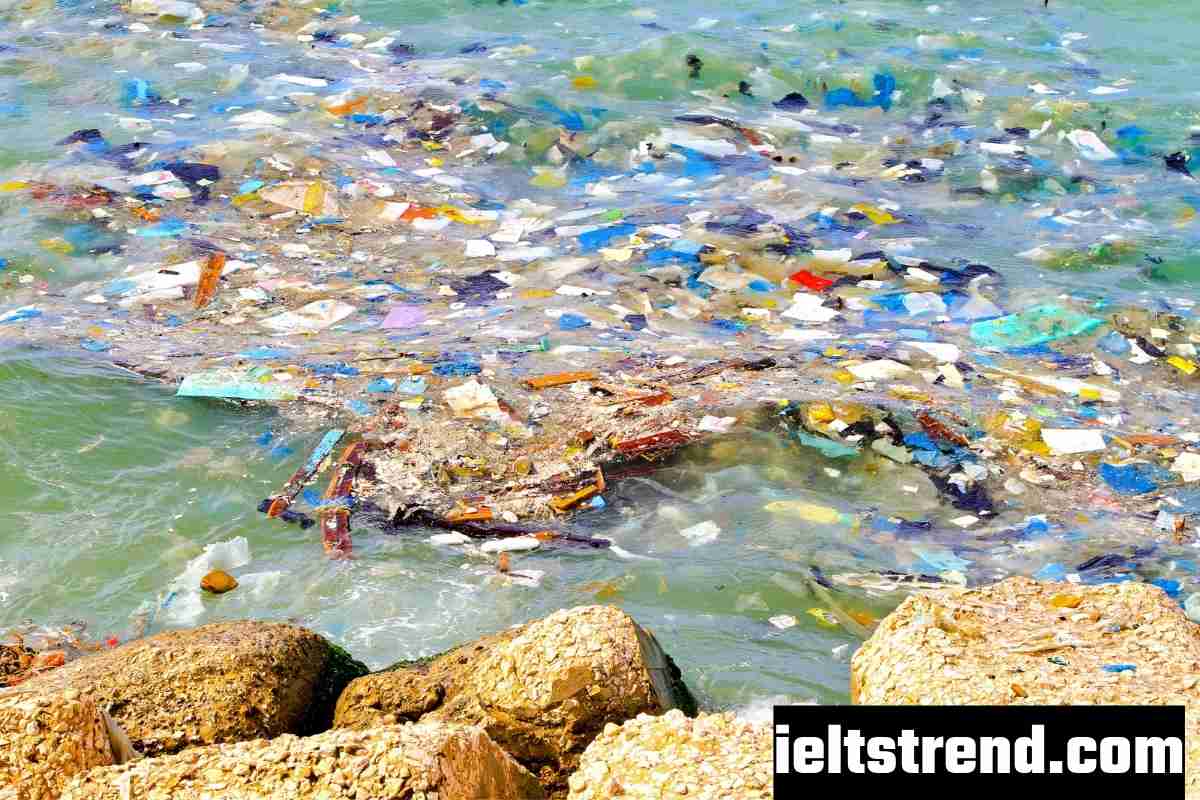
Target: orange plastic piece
(277,507)
(348,107)
(566,502)
(209,277)
(558,379)
(481,514)
(418,212)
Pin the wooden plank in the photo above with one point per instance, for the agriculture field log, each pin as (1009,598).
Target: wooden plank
(663,440)
(295,484)
(335,521)
(566,502)
(558,379)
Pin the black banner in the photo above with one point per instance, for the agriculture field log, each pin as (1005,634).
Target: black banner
(1041,751)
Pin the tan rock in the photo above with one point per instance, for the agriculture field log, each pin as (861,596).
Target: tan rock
(711,757)
(224,682)
(45,739)
(218,582)
(992,646)
(542,690)
(456,762)
(15,660)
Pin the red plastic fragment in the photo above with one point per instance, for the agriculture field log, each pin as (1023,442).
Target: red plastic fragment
(814,283)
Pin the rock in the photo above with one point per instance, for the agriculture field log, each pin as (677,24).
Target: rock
(218,582)
(542,690)
(453,761)
(992,645)
(712,756)
(14,662)
(45,739)
(225,682)
(1191,606)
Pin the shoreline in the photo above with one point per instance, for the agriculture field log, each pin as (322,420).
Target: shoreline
(581,704)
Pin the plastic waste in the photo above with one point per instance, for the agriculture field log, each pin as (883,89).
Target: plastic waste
(237,385)
(1033,326)
(472,399)
(701,533)
(182,603)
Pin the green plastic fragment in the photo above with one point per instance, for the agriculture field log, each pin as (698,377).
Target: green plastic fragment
(235,385)
(1033,326)
(827,447)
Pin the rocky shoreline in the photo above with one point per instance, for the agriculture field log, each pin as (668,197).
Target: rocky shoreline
(582,704)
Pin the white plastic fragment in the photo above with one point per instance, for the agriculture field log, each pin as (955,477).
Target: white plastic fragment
(189,12)
(1188,466)
(479,248)
(449,538)
(316,316)
(879,370)
(472,399)
(944,352)
(1090,146)
(702,533)
(809,308)
(258,119)
(510,545)
(1067,441)
(183,602)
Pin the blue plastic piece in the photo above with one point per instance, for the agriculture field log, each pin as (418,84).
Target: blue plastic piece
(1051,572)
(1128,478)
(1033,326)
(1172,588)
(458,368)
(573,322)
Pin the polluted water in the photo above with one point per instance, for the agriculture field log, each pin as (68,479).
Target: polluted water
(413,321)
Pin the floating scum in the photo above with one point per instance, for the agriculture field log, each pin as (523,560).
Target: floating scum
(488,306)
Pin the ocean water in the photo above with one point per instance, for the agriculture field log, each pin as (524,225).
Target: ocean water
(109,485)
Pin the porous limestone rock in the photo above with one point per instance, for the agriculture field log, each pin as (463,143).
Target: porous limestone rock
(45,739)
(542,690)
(225,682)
(711,757)
(430,759)
(993,646)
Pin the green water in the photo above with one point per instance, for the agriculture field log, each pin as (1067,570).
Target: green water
(111,485)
